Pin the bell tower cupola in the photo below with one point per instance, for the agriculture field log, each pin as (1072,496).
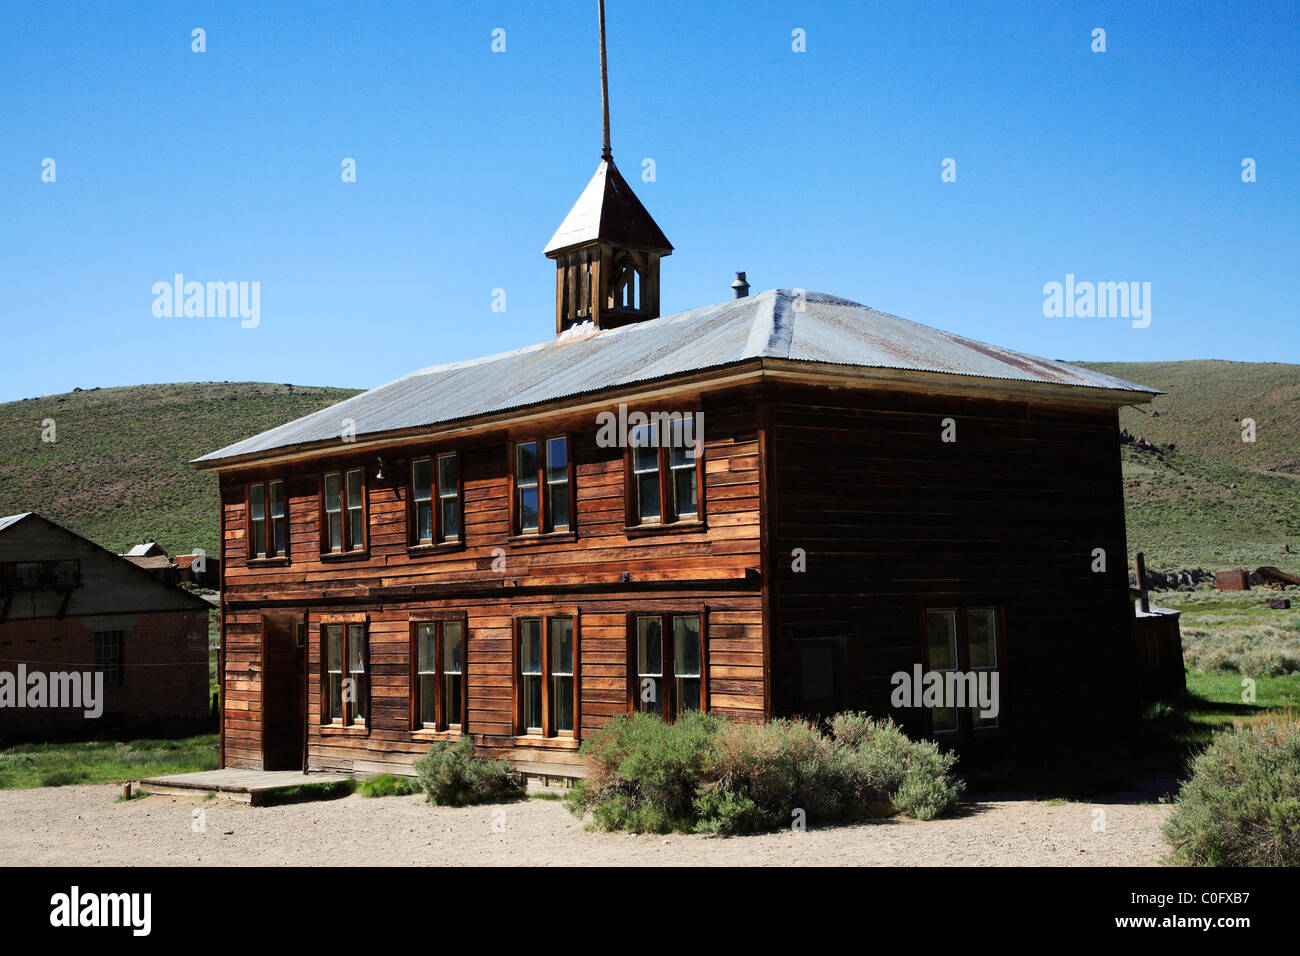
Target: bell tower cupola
(607,250)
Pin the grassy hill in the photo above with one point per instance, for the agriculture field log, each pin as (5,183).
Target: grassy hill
(1212,500)
(1205,403)
(1188,512)
(117,471)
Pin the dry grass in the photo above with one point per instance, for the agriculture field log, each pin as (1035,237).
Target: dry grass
(1236,632)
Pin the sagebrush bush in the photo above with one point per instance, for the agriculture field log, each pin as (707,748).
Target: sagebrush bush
(643,772)
(758,775)
(889,768)
(1241,806)
(710,775)
(452,775)
(928,790)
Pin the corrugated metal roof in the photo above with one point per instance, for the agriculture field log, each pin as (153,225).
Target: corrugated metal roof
(810,327)
(12,520)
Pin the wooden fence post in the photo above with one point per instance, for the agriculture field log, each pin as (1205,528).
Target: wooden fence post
(1140,565)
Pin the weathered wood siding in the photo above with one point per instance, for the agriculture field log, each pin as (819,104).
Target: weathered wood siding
(713,568)
(895,520)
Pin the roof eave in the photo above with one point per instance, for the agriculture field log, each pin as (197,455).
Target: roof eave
(553,251)
(952,383)
(959,383)
(706,379)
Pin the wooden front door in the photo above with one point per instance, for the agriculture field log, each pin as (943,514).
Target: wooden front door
(284,686)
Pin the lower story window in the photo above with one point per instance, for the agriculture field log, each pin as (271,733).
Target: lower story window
(345,686)
(547,654)
(108,656)
(440,674)
(667,653)
(964,646)
(561,667)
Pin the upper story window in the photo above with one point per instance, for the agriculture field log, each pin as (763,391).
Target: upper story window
(667,471)
(268,522)
(59,575)
(542,499)
(29,575)
(666,655)
(65,574)
(546,693)
(344,511)
(967,644)
(345,654)
(435,499)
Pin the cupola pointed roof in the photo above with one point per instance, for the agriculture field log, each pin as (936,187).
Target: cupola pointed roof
(608,211)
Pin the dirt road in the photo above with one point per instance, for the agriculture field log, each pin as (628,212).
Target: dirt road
(86,826)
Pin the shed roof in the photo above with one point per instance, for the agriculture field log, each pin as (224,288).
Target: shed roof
(12,520)
(150,562)
(134,563)
(813,328)
(145,549)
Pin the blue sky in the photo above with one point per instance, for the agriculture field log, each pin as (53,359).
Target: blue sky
(818,170)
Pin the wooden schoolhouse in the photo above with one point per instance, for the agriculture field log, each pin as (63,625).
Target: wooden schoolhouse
(767,506)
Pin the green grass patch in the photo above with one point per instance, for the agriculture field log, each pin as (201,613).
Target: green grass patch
(1222,695)
(23,766)
(1174,732)
(388,785)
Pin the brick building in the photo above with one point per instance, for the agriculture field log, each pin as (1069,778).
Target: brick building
(70,606)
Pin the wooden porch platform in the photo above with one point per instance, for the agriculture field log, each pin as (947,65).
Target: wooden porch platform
(246,786)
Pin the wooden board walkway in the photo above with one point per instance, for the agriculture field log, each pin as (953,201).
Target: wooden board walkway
(246,786)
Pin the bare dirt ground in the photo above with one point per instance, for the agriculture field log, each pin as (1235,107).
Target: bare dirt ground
(83,826)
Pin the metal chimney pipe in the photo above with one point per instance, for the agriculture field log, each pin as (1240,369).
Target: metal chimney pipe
(740,288)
